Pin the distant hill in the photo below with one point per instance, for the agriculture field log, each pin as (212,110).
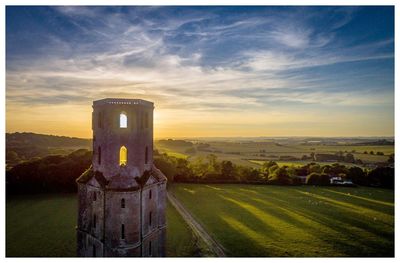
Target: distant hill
(378,142)
(26,146)
(174,143)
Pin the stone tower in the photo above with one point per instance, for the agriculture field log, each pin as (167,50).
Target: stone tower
(121,209)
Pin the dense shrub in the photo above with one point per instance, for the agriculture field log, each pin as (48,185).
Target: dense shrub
(280,176)
(357,175)
(166,166)
(381,176)
(318,179)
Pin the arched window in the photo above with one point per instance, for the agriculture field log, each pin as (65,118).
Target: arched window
(99,155)
(122,231)
(123,156)
(146,155)
(122,203)
(149,248)
(123,120)
(150,217)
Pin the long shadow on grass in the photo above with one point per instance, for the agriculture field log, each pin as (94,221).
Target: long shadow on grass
(350,209)
(342,225)
(381,206)
(237,228)
(339,222)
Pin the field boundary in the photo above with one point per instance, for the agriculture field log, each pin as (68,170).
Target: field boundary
(196,227)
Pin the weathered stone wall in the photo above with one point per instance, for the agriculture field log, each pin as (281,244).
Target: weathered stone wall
(161,204)
(149,209)
(135,220)
(116,216)
(95,215)
(100,211)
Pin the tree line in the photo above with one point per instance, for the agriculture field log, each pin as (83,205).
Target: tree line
(51,174)
(57,173)
(209,169)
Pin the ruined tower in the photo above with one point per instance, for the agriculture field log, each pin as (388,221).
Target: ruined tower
(121,209)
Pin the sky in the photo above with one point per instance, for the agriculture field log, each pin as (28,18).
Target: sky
(211,71)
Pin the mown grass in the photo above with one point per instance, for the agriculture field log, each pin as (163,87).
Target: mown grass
(181,241)
(41,226)
(44,226)
(259,220)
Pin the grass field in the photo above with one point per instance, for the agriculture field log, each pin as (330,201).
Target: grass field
(251,220)
(44,226)
(176,154)
(241,153)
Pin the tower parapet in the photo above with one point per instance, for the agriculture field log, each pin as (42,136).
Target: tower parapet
(122,128)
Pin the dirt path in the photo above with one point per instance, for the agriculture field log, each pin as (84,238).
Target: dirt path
(197,228)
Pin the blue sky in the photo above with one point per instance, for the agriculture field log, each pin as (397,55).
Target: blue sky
(211,71)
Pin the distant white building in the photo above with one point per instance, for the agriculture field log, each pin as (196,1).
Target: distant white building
(338,180)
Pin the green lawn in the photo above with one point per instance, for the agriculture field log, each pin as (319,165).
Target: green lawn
(259,220)
(44,226)
(181,241)
(41,226)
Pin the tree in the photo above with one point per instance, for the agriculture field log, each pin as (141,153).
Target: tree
(250,174)
(199,167)
(183,172)
(213,165)
(356,175)
(166,166)
(267,165)
(314,168)
(12,156)
(382,176)
(272,169)
(302,171)
(280,176)
(227,170)
(54,173)
(313,178)
(318,179)
(336,169)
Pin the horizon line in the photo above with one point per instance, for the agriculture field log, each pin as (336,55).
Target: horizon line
(227,137)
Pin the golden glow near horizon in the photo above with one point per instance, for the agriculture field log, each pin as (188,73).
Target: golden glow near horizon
(75,121)
(257,71)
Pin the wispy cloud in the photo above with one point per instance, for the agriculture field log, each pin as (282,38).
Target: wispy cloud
(200,60)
